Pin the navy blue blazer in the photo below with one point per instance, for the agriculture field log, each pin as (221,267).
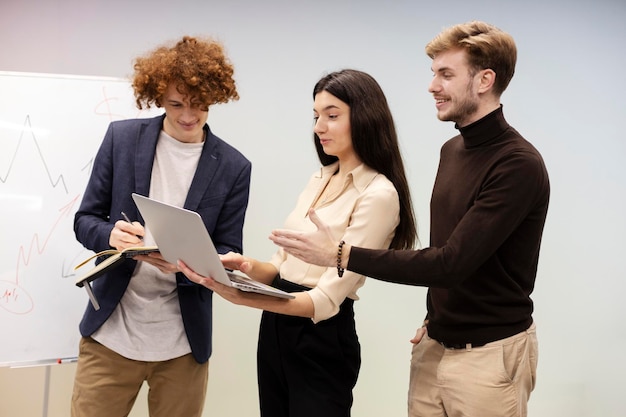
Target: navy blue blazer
(219,193)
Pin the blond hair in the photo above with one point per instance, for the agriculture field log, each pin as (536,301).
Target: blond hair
(487,48)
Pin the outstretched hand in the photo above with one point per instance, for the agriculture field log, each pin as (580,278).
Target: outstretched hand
(317,248)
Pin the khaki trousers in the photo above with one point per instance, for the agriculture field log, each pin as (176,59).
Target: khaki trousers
(494,380)
(106,384)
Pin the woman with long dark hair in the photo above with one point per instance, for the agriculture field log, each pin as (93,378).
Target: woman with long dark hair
(308,352)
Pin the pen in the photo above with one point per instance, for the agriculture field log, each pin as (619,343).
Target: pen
(126,217)
(67,360)
(129,221)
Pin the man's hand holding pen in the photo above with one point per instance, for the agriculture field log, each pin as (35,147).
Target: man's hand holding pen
(126,234)
(129,234)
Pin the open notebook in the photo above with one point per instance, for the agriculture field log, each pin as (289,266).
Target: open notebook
(180,234)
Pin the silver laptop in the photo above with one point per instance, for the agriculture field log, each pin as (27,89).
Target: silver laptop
(181,234)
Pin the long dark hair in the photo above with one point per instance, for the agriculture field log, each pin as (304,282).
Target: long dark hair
(374,139)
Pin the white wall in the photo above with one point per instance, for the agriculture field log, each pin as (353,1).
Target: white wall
(566,98)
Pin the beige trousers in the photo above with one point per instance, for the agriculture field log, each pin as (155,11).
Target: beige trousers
(494,380)
(106,384)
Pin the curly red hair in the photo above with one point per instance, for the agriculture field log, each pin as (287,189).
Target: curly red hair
(198,68)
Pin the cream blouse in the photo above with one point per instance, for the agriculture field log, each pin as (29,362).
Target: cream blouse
(365,213)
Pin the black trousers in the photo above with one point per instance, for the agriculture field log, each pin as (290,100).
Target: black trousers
(306,369)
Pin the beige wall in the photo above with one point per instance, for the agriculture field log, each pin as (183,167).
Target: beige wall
(23,391)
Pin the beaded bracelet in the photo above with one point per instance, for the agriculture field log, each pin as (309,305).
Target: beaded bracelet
(340,270)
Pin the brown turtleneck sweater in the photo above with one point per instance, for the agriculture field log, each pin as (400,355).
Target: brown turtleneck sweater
(488,210)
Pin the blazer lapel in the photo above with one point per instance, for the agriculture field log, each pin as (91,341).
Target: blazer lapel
(145,149)
(207,168)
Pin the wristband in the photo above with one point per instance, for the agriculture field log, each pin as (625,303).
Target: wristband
(340,270)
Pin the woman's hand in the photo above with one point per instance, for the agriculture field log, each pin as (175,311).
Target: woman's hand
(317,248)
(236,261)
(229,293)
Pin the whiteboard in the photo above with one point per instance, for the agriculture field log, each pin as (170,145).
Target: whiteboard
(50,129)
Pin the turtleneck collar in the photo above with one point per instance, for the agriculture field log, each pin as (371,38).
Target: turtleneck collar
(484,130)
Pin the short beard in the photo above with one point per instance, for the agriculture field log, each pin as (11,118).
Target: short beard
(463,109)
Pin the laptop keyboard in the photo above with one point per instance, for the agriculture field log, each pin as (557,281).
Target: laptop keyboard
(244,283)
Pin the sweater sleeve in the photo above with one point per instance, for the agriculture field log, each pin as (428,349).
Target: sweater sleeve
(508,197)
